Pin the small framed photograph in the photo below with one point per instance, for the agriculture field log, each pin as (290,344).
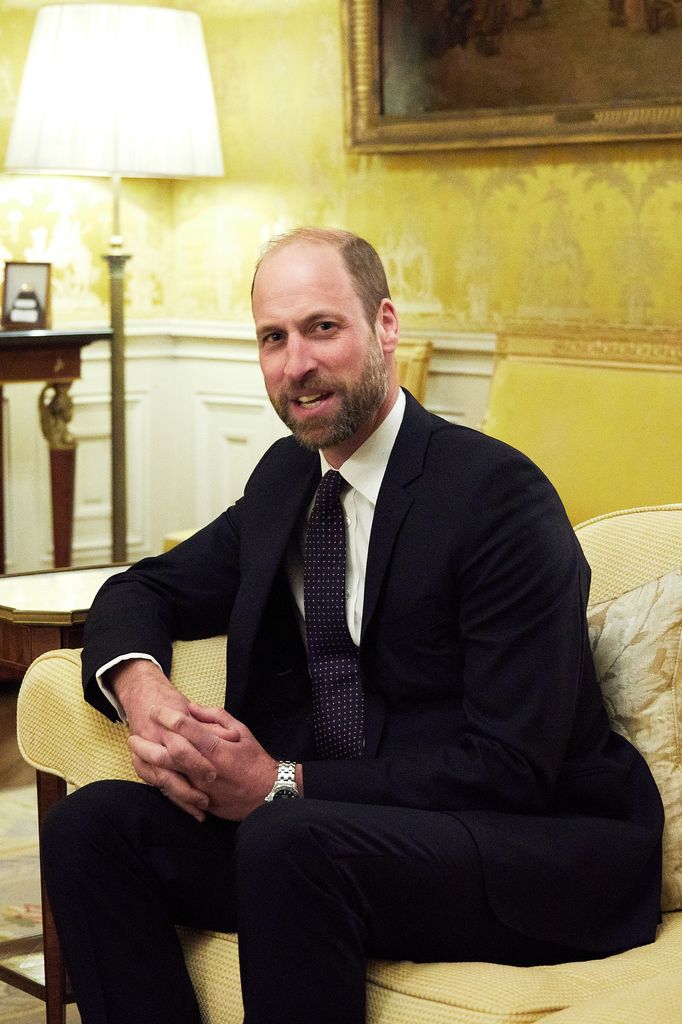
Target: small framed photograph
(26,296)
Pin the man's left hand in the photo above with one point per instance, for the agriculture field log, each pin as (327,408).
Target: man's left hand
(245,772)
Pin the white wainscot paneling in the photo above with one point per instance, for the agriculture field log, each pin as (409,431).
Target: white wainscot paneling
(28,523)
(459,375)
(138,428)
(232,432)
(92,502)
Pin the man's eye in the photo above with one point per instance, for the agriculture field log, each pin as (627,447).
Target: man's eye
(326,325)
(272,337)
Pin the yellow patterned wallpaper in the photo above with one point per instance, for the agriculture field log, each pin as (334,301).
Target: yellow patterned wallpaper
(472,240)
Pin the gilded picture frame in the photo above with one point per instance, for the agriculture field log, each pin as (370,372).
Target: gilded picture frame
(418,78)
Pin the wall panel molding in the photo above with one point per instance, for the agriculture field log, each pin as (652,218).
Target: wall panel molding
(233,431)
(92,501)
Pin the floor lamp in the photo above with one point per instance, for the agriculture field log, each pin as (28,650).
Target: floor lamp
(123,91)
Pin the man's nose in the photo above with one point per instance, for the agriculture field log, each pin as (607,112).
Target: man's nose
(300,357)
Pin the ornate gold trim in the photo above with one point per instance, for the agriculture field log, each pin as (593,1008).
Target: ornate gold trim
(369,130)
(603,344)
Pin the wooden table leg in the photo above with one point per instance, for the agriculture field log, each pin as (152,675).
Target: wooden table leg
(51,789)
(62,479)
(56,410)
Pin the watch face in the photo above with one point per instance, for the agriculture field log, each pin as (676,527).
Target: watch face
(285,793)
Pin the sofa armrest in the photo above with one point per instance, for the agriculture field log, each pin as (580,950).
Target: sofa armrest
(60,734)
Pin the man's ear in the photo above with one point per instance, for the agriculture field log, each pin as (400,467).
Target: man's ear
(388,327)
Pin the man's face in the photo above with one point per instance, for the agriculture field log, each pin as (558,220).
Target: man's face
(324,367)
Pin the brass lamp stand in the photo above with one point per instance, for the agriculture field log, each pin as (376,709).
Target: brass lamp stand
(116,260)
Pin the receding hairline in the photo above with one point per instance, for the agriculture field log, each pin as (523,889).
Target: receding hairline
(305,236)
(347,244)
(337,238)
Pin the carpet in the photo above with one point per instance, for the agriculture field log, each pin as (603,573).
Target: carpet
(20,896)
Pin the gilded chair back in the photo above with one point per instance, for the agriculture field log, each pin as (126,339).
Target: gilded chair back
(413,358)
(600,411)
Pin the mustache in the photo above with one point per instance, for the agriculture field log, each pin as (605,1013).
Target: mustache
(315,385)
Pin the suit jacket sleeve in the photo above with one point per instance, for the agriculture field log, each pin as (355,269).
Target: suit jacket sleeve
(184,594)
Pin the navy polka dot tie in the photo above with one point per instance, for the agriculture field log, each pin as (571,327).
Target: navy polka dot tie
(332,655)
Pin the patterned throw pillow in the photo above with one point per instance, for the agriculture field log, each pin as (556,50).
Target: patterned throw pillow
(637,644)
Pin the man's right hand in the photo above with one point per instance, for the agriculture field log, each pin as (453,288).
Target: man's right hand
(140,685)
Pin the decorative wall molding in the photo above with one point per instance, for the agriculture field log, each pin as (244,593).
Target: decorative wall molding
(236,430)
(605,344)
(92,504)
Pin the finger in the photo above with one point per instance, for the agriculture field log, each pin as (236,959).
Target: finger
(217,716)
(176,754)
(155,753)
(171,783)
(160,756)
(200,735)
(212,714)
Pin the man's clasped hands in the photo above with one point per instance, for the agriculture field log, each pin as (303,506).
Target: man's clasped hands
(201,758)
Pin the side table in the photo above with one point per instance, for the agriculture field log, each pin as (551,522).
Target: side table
(39,612)
(55,358)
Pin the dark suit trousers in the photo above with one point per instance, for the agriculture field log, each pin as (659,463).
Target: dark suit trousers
(313,888)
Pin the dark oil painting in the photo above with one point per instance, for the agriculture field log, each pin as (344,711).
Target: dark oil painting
(482,55)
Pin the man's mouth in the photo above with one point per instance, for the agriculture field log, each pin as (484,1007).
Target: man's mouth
(311,401)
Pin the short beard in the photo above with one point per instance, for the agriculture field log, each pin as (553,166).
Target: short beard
(359,403)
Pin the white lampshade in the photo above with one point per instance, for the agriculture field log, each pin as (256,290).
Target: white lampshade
(117,90)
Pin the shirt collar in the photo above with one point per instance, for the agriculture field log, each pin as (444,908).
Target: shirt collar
(365,468)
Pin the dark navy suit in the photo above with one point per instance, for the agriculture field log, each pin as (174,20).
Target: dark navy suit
(480,690)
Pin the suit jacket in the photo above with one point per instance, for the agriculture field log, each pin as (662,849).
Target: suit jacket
(481,696)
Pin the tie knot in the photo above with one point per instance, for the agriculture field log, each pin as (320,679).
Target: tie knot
(329,491)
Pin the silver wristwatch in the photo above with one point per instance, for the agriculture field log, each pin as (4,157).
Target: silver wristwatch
(285,787)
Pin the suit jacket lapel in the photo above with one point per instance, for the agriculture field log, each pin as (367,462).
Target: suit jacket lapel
(275,514)
(276,501)
(404,465)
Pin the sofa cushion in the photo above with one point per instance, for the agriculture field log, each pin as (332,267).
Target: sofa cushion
(637,643)
(459,993)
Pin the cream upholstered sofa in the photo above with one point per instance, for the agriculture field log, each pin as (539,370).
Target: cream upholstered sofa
(636,627)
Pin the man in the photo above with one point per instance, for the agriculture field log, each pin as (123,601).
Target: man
(432,778)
